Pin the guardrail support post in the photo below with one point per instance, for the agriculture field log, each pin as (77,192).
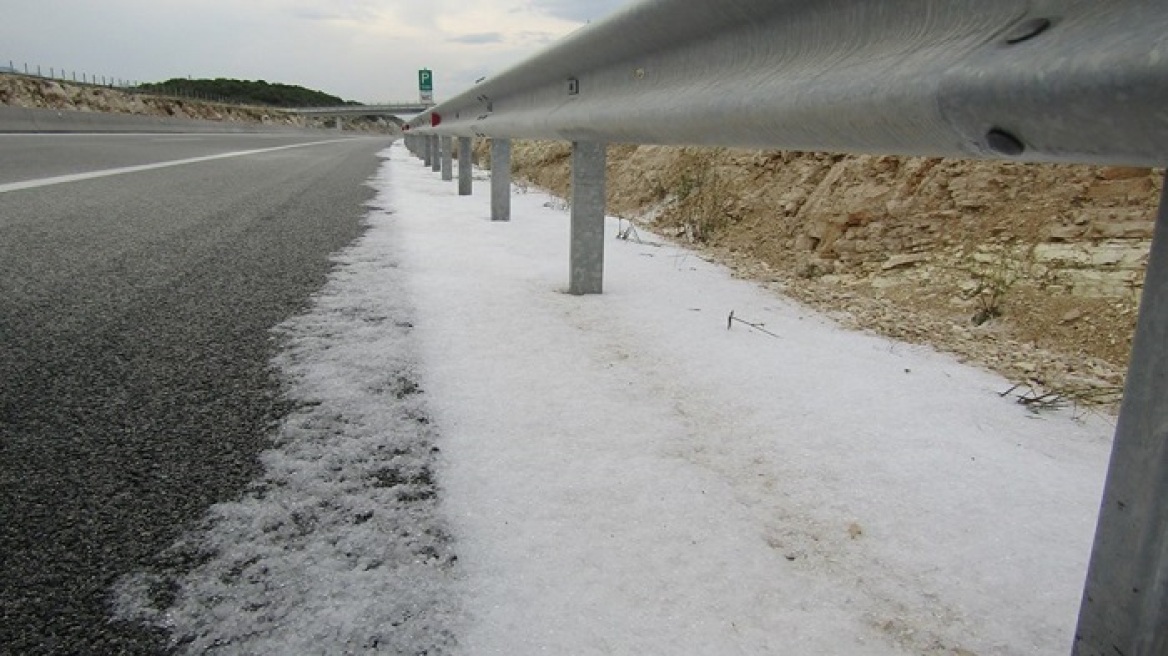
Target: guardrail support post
(500,179)
(465,181)
(1125,603)
(427,154)
(586,272)
(435,153)
(447,158)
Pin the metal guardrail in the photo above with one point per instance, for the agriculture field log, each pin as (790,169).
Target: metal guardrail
(65,75)
(1045,80)
(1075,81)
(393,109)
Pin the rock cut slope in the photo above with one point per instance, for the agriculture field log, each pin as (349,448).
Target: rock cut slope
(1034,271)
(31,92)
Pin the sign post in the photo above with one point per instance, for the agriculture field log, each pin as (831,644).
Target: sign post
(426,85)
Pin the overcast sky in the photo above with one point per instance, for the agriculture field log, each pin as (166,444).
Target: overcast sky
(364,50)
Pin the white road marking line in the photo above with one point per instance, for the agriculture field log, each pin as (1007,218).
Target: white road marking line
(77,177)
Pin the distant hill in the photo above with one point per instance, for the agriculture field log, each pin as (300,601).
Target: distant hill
(247,92)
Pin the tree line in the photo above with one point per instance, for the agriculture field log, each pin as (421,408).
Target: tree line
(247,92)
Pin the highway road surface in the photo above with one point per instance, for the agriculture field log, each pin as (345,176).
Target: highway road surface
(139,278)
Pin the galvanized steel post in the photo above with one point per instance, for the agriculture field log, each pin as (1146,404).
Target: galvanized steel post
(500,179)
(435,153)
(586,255)
(447,158)
(1125,603)
(427,150)
(465,181)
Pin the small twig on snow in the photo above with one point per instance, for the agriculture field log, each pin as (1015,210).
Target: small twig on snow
(627,233)
(757,326)
(1035,400)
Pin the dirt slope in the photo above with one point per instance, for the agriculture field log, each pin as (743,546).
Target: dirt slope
(32,92)
(1033,271)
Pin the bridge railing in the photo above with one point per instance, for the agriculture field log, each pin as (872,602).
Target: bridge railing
(363,110)
(1075,81)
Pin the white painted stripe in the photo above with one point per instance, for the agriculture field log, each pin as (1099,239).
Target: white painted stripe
(90,175)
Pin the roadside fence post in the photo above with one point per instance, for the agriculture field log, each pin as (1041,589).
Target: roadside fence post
(1125,602)
(465,167)
(586,255)
(447,158)
(500,179)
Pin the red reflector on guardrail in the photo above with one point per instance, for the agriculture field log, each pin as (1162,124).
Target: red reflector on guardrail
(435,120)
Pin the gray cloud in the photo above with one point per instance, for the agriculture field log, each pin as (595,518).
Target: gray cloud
(478,39)
(314,14)
(354,10)
(538,38)
(577,10)
(367,50)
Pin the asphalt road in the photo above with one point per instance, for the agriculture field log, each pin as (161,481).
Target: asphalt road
(35,156)
(135,386)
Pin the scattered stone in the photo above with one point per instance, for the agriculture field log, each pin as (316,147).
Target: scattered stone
(1123,172)
(903,261)
(1066,233)
(805,243)
(1124,230)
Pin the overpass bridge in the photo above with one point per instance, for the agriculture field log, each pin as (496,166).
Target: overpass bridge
(391,111)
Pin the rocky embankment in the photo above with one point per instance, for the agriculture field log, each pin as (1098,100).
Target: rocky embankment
(32,92)
(1034,271)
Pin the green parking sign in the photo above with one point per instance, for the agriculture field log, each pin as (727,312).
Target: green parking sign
(426,79)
